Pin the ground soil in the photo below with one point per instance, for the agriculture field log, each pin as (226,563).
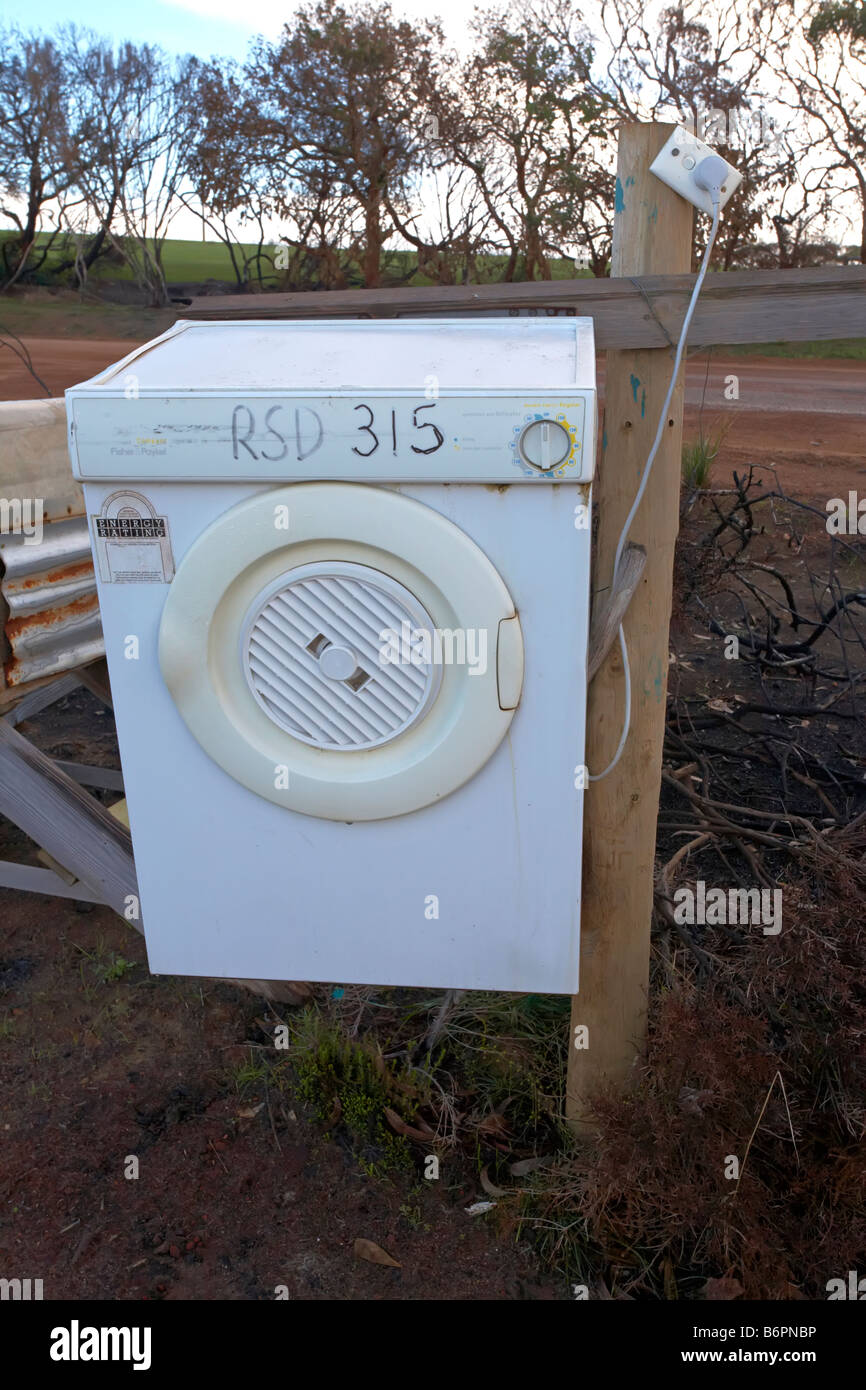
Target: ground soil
(239,1190)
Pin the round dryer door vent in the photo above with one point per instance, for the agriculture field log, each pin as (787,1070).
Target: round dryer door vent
(361,668)
(338,655)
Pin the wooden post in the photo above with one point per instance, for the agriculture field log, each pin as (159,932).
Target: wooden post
(652,236)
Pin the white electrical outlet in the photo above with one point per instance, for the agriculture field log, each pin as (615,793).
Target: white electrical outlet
(675,165)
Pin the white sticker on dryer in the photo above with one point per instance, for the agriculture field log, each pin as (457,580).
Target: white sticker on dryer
(131,543)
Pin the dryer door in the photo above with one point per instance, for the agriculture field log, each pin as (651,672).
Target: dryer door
(342,650)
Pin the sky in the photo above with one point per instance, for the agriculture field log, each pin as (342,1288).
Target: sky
(206,28)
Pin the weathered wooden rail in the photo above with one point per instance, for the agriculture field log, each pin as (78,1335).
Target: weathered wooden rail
(641,311)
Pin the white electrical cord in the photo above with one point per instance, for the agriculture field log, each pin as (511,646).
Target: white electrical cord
(623,537)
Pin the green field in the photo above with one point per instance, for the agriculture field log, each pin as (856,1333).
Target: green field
(185,261)
(182,260)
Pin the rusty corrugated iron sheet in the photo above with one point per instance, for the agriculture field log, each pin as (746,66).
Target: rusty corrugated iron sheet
(49,618)
(50,609)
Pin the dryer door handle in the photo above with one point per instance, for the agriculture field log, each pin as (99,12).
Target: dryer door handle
(509,663)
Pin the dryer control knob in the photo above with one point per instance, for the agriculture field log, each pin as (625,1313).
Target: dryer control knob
(544,444)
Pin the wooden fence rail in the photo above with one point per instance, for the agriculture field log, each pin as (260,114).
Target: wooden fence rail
(642,311)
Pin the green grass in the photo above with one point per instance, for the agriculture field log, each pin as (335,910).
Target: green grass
(210,260)
(182,260)
(851,348)
(106,966)
(345,1083)
(64,314)
(698,459)
(248,1073)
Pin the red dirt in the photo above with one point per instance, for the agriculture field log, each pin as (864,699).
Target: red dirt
(60,362)
(238,1193)
(239,1190)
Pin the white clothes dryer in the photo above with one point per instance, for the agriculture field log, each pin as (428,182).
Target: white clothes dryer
(343,571)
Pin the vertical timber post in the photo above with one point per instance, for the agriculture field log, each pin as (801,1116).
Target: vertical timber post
(652,234)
